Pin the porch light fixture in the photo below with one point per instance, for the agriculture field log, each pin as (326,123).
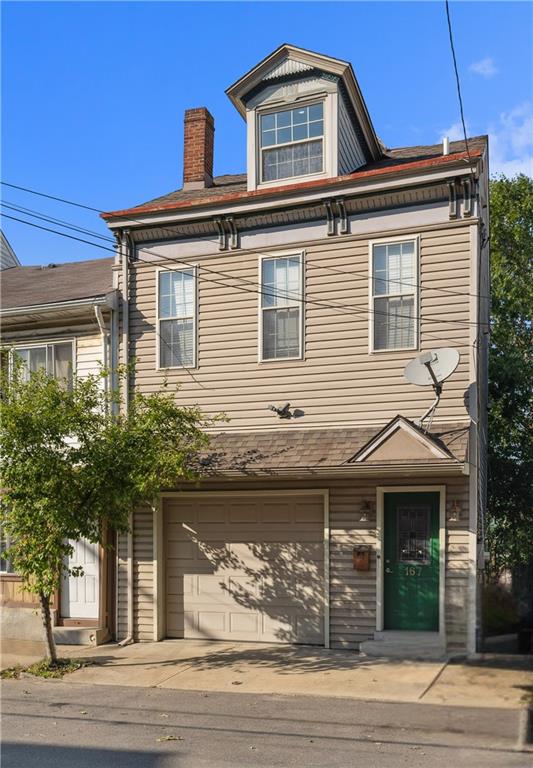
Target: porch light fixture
(455,512)
(365,512)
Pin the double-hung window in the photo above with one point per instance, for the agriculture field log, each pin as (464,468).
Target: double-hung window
(394,295)
(281,307)
(177,318)
(292,142)
(56,359)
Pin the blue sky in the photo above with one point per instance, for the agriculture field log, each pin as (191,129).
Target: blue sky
(93,94)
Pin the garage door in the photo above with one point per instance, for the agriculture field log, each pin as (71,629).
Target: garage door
(245,567)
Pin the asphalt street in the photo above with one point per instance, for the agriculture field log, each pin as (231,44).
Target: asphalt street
(55,724)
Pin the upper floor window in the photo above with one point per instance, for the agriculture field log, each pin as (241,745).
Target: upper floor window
(292,142)
(394,295)
(56,359)
(177,318)
(281,307)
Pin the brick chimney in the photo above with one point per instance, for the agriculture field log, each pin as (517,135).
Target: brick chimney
(199,136)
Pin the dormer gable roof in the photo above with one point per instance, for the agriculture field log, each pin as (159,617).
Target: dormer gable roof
(401,440)
(289,61)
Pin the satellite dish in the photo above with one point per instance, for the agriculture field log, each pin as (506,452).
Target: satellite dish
(431,369)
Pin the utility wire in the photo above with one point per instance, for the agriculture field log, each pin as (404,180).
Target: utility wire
(457,81)
(176,230)
(343,308)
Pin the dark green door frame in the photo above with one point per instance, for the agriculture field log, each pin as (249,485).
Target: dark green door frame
(415,590)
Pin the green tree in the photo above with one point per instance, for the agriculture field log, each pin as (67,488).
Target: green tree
(510,518)
(71,469)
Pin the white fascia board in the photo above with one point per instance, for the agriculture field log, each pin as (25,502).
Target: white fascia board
(258,205)
(106,300)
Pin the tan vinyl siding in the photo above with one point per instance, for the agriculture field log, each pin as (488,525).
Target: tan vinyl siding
(143,614)
(352,593)
(338,382)
(143,575)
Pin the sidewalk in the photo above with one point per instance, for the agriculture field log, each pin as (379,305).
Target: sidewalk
(503,682)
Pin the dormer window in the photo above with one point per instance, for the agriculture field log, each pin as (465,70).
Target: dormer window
(292,142)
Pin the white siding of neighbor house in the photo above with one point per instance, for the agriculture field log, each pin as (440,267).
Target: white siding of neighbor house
(352,593)
(89,355)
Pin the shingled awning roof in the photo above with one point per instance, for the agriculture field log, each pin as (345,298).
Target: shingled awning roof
(57,283)
(234,187)
(283,451)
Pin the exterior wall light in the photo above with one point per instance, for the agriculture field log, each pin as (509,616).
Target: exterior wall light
(365,512)
(455,512)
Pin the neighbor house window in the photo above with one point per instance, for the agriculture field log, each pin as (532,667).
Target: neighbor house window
(292,142)
(394,295)
(177,318)
(5,543)
(281,307)
(56,359)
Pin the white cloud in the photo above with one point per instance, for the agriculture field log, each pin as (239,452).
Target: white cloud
(510,140)
(484,67)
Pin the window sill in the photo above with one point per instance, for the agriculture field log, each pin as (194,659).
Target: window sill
(293,180)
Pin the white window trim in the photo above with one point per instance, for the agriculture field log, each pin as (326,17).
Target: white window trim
(301,304)
(194,365)
(20,344)
(271,109)
(416,291)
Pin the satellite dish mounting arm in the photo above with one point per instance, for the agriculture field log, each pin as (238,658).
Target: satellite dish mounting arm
(437,388)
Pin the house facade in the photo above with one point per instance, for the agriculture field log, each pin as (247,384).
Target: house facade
(61,317)
(291,298)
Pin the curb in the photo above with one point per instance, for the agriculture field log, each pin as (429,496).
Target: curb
(525,730)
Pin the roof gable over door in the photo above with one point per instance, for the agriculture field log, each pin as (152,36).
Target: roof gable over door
(401,440)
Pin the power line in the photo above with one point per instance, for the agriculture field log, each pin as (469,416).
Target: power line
(450,35)
(177,230)
(343,308)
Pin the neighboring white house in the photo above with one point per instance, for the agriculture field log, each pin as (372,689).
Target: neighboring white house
(8,257)
(59,317)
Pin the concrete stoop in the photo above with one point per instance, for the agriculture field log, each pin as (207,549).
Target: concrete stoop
(405,645)
(81,635)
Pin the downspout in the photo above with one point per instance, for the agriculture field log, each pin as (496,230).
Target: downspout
(125,407)
(104,334)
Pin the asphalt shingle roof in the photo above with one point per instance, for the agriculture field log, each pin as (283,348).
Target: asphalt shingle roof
(248,453)
(236,184)
(30,286)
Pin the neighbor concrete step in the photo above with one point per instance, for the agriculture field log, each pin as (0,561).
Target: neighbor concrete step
(81,635)
(405,645)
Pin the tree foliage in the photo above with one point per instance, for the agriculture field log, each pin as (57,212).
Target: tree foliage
(71,469)
(510,520)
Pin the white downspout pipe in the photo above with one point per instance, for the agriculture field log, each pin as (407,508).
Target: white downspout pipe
(125,359)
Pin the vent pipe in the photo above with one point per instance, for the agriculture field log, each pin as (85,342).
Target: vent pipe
(445,145)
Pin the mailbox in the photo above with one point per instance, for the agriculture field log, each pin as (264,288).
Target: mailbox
(361,558)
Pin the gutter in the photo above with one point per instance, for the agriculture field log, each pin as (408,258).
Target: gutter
(360,182)
(448,468)
(106,300)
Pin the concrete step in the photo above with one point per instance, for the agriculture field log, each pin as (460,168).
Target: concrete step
(405,645)
(81,635)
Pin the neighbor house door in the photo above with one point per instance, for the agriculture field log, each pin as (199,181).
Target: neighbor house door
(411,567)
(79,594)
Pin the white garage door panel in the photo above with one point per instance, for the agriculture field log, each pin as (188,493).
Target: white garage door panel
(245,568)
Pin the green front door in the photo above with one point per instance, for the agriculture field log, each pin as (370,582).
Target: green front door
(411,561)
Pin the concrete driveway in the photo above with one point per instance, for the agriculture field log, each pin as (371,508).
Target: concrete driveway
(301,670)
